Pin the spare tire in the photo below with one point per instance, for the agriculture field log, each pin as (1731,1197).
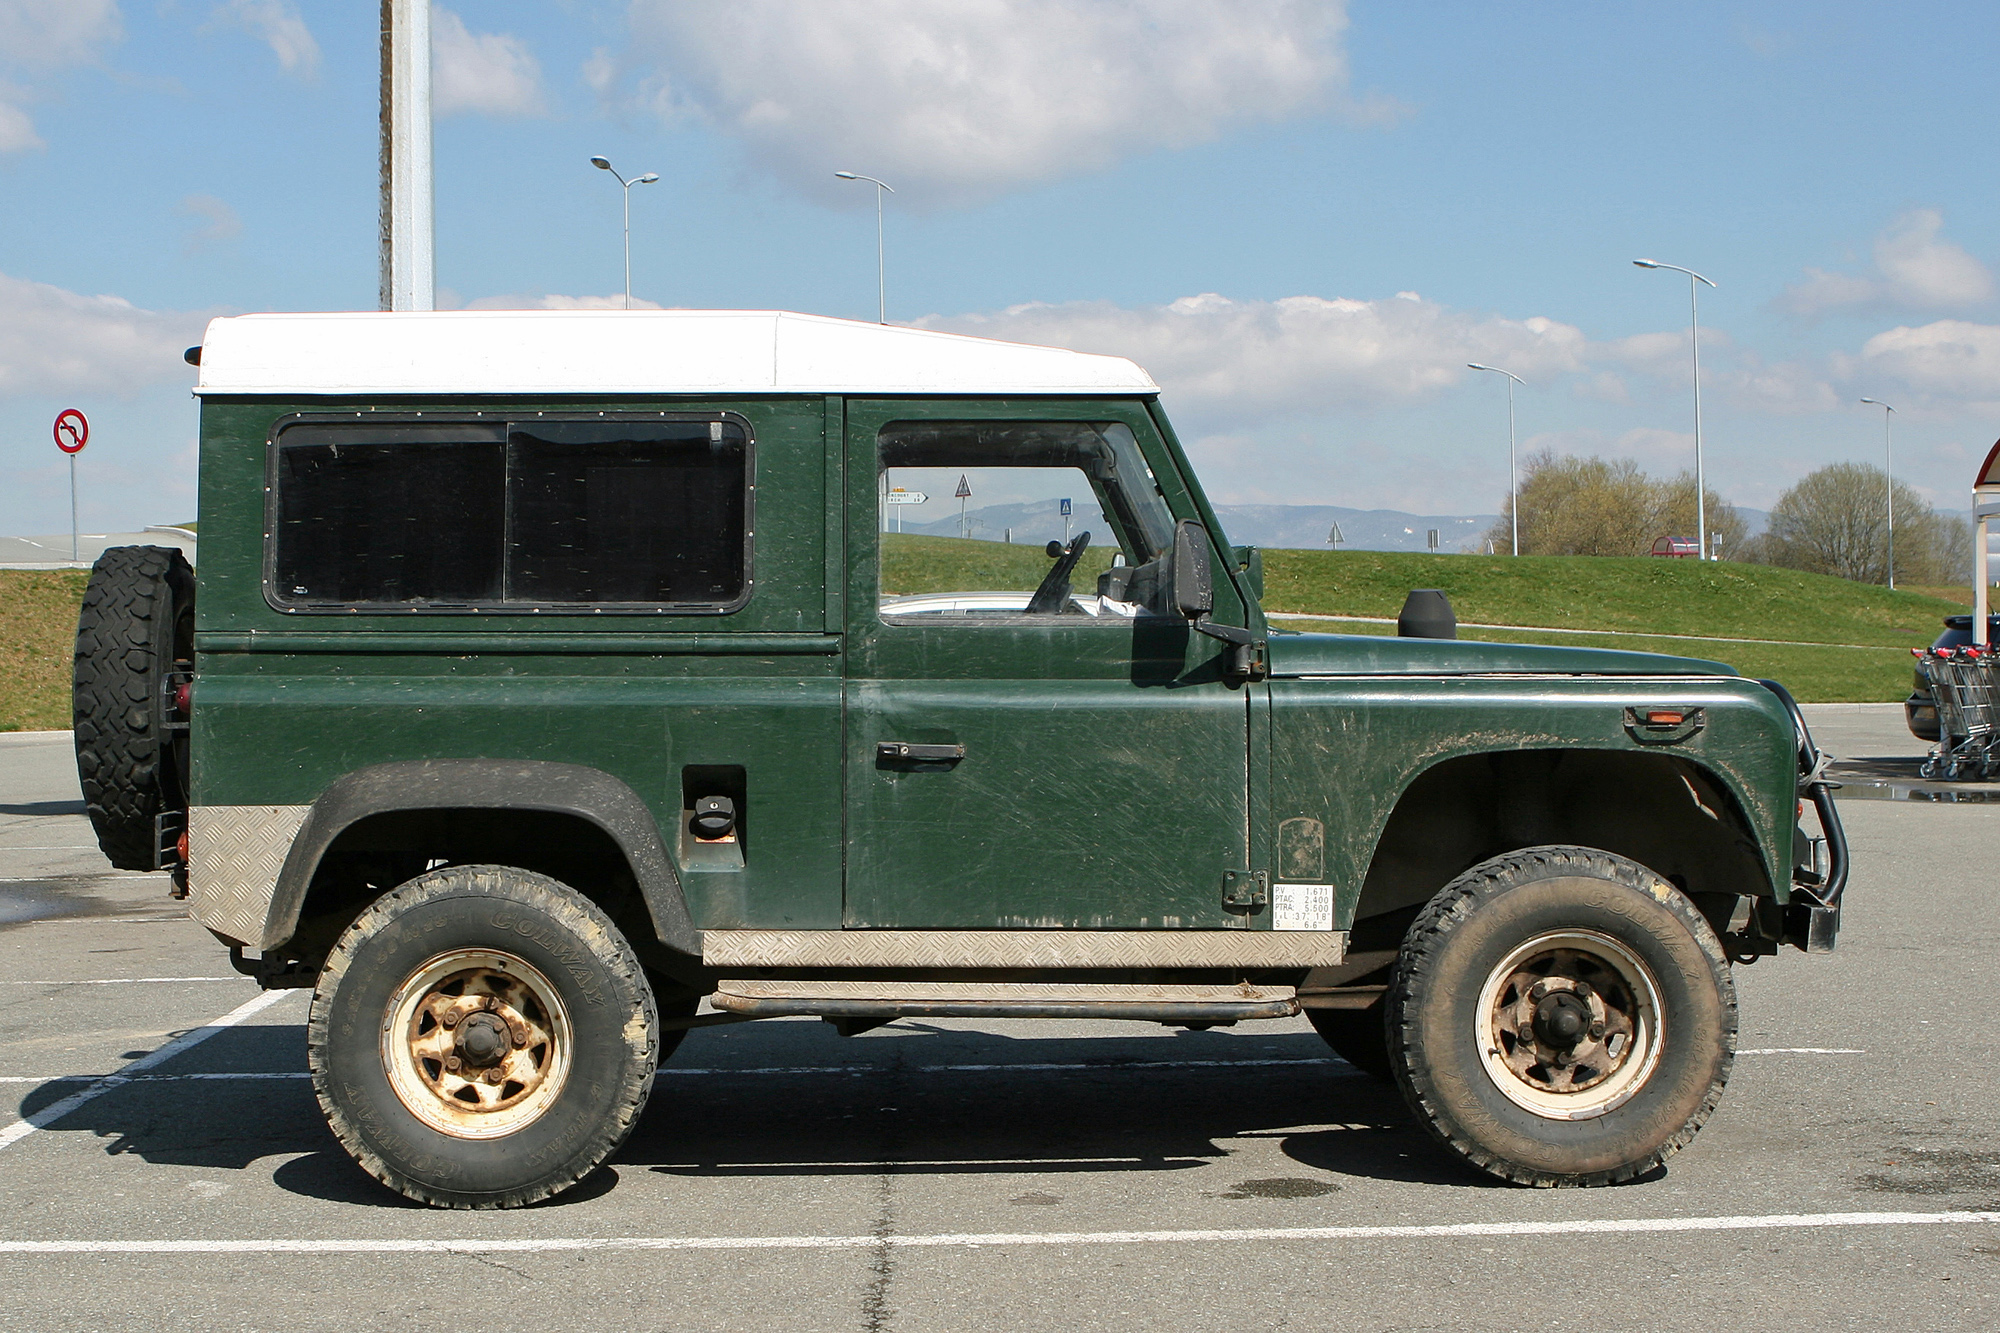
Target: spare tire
(135,631)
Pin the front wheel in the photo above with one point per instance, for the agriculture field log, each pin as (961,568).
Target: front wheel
(1562,1016)
(482,1037)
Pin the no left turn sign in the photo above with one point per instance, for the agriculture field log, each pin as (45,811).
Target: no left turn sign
(72,431)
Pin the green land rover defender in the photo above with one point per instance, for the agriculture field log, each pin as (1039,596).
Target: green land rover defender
(554,673)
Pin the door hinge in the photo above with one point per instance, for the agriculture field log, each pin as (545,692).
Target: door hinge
(1246,890)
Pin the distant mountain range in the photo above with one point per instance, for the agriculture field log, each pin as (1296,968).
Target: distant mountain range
(1304,526)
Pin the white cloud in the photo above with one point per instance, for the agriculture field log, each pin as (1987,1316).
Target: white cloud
(38,37)
(217,221)
(54,33)
(968,99)
(489,73)
(278,25)
(1949,359)
(17,128)
(1266,358)
(1916,268)
(52,340)
(524,301)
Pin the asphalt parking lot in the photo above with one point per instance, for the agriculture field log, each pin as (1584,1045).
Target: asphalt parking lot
(163,1162)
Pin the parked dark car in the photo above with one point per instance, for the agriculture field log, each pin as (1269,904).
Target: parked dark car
(1920,710)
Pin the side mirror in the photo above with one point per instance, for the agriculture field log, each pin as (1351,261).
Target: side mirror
(1193,581)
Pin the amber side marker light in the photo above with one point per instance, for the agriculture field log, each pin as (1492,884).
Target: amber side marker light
(1665,717)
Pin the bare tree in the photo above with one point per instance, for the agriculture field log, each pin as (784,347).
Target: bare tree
(1835,521)
(1595,506)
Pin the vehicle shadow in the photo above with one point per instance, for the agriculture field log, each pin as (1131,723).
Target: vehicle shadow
(794,1100)
(43,808)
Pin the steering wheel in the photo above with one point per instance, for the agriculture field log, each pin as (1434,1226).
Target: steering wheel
(1052,597)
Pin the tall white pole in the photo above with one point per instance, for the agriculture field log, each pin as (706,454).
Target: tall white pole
(1513,471)
(1694,343)
(72,509)
(881,271)
(627,194)
(408,240)
(1700,482)
(1889,490)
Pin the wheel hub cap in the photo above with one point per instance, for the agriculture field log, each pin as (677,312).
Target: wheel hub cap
(1561,1020)
(1570,1025)
(482,1040)
(477,1043)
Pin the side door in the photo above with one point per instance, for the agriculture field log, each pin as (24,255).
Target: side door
(1022,755)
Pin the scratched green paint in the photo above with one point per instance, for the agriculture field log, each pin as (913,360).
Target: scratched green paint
(1113,771)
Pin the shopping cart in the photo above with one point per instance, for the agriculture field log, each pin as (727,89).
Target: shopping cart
(1965,683)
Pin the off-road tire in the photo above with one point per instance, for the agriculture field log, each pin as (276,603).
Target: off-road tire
(1463,938)
(519,916)
(673,1000)
(136,625)
(1356,1036)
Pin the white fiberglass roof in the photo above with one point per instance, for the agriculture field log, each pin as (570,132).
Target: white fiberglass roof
(631,352)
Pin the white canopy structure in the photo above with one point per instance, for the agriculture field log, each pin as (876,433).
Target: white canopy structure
(1985,506)
(481,352)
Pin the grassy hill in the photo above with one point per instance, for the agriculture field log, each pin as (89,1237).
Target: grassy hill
(1617,603)
(37,637)
(1841,641)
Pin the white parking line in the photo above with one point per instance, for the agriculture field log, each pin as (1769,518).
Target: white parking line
(152,1078)
(48,1115)
(1803,1050)
(974,1240)
(120,981)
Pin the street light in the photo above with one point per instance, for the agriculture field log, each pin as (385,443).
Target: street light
(1694,340)
(1889,448)
(604,164)
(1513,476)
(881,279)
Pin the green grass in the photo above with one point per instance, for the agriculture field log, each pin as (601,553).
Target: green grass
(37,638)
(1601,594)
(1721,599)
(913,564)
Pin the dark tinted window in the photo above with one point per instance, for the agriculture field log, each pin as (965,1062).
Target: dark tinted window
(364,519)
(624,513)
(555,514)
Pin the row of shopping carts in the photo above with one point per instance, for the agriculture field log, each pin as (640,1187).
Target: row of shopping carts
(1965,684)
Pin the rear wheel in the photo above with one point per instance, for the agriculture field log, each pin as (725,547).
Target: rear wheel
(1562,1016)
(482,1037)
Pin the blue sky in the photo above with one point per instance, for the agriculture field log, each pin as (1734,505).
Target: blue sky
(1302,217)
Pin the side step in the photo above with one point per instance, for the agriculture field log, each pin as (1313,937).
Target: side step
(885,1000)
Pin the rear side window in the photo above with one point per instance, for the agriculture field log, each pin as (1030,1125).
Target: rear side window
(536,514)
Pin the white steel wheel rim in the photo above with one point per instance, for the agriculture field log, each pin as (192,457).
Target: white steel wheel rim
(440,1035)
(1620,1047)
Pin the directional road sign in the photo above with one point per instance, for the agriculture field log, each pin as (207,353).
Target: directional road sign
(900,496)
(72,431)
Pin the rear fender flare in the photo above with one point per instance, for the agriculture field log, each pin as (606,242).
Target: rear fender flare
(488,784)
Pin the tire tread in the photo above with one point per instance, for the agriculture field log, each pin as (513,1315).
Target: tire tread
(1427,936)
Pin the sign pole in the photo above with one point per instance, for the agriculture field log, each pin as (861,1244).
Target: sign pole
(72,432)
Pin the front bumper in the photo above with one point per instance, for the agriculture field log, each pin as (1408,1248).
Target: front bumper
(1812,917)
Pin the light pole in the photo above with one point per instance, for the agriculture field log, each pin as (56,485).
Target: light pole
(1889,449)
(1694,341)
(604,163)
(1513,476)
(881,277)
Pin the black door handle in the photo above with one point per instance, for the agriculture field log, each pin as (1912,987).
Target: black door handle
(903,752)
